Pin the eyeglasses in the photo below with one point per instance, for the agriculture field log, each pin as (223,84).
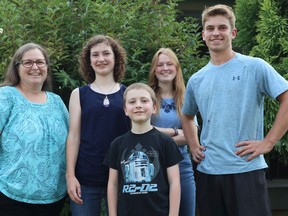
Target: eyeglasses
(29,63)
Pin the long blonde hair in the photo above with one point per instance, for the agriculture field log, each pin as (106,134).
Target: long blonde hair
(178,82)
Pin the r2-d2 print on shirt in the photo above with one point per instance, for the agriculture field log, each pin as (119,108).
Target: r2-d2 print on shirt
(138,168)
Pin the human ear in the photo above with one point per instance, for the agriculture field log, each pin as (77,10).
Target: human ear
(125,110)
(154,109)
(234,33)
(203,36)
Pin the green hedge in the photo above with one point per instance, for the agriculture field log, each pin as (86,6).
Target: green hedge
(63,27)
(142,26)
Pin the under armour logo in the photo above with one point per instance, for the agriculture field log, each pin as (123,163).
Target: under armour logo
(235,78)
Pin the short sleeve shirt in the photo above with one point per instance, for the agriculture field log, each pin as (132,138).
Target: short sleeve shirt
(142,161)
(230,99)
(32,147)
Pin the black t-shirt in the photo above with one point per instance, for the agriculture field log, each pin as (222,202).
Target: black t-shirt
(142,161)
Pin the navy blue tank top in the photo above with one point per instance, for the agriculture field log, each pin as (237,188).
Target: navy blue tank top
(100,125)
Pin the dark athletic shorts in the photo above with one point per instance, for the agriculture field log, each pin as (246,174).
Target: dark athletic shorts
(243,194)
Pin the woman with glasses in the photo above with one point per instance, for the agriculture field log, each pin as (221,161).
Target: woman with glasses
(33,132)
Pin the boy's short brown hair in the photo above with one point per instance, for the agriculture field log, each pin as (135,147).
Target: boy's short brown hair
(141,86)
(219,9)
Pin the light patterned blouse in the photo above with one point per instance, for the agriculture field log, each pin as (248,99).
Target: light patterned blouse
(32,147)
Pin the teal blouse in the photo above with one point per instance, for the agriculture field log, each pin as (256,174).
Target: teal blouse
(32,147)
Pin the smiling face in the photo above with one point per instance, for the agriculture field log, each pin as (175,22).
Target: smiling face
(165,69)
(139,105)
(33,76)
(102,59)
(218,33)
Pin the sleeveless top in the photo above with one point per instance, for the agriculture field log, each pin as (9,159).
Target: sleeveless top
(100,125)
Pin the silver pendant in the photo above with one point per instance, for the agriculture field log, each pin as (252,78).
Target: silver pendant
(106,102)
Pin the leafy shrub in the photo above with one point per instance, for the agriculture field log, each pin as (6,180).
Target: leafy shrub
(142,26)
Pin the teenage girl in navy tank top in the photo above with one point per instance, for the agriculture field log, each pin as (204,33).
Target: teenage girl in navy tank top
(96,118)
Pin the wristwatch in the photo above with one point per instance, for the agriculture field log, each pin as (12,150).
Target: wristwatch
(175,131)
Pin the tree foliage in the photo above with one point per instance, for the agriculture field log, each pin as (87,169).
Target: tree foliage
(142,27)
(263,33)
(64,26)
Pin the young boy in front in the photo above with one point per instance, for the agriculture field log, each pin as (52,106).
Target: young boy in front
(144,173)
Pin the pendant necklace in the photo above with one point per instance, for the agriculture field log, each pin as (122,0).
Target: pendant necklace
(106,101)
